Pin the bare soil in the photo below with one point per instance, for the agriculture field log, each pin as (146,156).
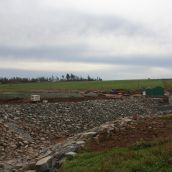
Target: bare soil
(60,99)
(146,129)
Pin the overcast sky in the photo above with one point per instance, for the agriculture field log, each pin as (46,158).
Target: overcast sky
(113,39)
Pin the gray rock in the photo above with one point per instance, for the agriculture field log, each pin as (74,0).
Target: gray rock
(45,164)
(80,143)
(70,155)
(89,135)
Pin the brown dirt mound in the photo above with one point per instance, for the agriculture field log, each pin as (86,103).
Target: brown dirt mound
(145,129)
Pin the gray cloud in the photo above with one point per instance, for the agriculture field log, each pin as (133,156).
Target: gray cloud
(37,27)
(131,72)
(62,53)
(32,30)
(83,24)
(74,54)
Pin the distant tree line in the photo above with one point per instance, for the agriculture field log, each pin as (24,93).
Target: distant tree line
(67,77)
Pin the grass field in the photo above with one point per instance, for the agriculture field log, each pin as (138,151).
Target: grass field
(82,85)
(143,157)
(169,82)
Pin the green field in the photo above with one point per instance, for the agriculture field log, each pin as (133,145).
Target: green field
(81,85)
(169,82)
(144,157)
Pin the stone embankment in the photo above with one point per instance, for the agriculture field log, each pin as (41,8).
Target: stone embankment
(33,135)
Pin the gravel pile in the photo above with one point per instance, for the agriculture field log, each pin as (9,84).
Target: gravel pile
(26,129)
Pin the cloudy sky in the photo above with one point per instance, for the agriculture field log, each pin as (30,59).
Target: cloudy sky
(113,39)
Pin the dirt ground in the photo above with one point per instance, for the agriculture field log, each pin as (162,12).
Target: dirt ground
(145,129)
(60,99)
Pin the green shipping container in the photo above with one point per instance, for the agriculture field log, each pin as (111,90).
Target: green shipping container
(157,91)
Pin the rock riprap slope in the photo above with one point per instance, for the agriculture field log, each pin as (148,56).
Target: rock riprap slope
(27,129)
